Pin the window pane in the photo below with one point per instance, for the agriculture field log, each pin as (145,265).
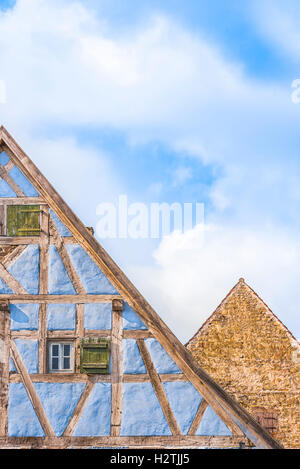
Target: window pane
(55,350)
(66,363)
(67,349)
(54,363)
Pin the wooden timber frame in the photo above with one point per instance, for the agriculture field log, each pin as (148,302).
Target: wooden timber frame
(244,428)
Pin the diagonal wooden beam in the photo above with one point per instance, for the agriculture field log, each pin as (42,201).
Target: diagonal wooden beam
(32,394)
(71,271)
(9,165)
(198,417)
(11,281)
(158,388)
(7,178)
(79,408)
(12,255)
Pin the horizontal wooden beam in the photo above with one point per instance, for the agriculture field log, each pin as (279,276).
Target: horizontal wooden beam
(138,378)
(61,378)
(24,240)
(22,201)
(33,334)
(82,377)
(136,334)
(130,441)
(75,299)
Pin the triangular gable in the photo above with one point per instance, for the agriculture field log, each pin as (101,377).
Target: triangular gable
(253,355)
(112,281)
(250,292)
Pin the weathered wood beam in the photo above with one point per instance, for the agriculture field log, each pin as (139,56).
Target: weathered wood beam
(12,283)
(9,165)
(139,378)
(26,298)
(60,378)
(15,241)
(79,408)
(4,365)
(43,288)
(136,334)
(2,220)
(12,255)
(79,331)
(142,442)
(8,179)
(63,253)
(198,417)
(116,367)
(22,201)
(158,388)
(32,394)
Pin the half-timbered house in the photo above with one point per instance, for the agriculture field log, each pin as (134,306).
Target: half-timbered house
(84,359)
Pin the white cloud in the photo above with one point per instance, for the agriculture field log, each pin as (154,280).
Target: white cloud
(194,271)
(82,175)
(63,67)
(279,22)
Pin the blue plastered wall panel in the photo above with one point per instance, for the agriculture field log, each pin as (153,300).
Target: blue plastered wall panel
(161,359)
(59,283)
(95,419)
(141,412)
(211,425)
(184,400)
(28,350)
(59,401)
(131,321)
(23,182)
(24,316)
(132,360)
(22,419)
(97,316)
(61,317)
(4,158)
(25,269)
(61,228)
(91,276)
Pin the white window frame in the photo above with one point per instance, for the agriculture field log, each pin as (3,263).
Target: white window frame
(61,356)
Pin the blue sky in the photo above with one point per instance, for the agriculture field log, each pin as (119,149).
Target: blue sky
(169,101)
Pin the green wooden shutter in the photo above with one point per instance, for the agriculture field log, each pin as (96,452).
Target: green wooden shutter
(23,220)
(94,355)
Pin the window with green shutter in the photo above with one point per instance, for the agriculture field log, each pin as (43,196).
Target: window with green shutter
(94,355)
(23,220)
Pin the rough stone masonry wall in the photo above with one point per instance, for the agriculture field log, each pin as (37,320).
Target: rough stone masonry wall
(250,353)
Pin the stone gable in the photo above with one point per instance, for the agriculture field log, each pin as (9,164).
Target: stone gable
(250,353)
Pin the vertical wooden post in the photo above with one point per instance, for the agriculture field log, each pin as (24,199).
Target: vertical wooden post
(2,220)
(79,332)
(43,280)
(4,365)
(116,367)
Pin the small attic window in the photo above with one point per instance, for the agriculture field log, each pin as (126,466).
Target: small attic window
(267,418)
(61,357)
(23,220)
